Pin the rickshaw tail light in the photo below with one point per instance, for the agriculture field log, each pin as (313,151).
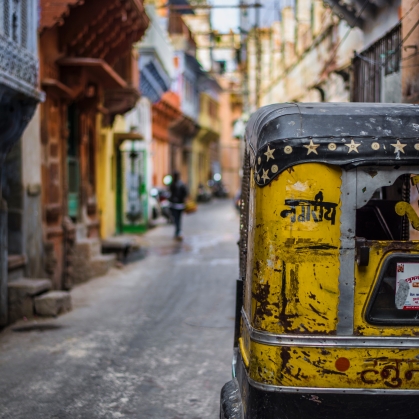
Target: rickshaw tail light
(342,364)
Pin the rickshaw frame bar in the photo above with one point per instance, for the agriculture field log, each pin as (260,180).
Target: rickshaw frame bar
(328,341)
(316,390)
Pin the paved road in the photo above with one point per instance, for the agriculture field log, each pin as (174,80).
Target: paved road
(151,340)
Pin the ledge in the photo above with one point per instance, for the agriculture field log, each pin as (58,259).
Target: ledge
(98,68)
(58,88)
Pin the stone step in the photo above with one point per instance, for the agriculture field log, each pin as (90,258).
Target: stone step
(15,266)
(118,245)
(85,269)
(88,248)
(53,303)
(20,296)
(101,264)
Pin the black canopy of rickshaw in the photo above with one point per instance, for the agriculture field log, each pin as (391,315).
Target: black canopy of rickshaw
(343,134)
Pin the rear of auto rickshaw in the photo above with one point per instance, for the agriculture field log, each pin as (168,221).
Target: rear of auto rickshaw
(327,317)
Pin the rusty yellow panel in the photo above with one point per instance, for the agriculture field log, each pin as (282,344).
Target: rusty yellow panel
(295,260)
(366,278)
(369,368)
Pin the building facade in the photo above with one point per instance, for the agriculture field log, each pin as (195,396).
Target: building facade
(88,72)
(19,188)
(331,52)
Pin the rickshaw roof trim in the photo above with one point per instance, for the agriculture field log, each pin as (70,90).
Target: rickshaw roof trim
(343,134)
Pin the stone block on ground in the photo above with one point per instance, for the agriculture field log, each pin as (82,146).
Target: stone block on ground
(88,262)
(120,246)
(53,303)
(100,265)
(89,247)
(20,296)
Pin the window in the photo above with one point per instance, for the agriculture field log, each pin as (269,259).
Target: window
(378,220)
(15,20)
(395,299)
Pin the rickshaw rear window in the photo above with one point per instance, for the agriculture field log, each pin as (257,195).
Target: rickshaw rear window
(378,220)
(395,300)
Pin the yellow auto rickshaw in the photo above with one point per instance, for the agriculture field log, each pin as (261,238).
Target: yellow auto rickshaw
(327,317)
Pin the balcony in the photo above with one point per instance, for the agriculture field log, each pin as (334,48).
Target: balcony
(18,61)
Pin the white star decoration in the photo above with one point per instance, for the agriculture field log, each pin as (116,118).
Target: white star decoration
(399,147)
(269,154)
(265,176)
(353,146)
(311,147)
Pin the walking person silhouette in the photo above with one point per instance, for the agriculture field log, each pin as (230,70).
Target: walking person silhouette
(178,194)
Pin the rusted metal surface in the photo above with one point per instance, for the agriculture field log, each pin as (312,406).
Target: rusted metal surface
(296,254)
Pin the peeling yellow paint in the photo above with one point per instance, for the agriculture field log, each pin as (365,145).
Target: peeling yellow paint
(292,287)
(295,267)
(371,368)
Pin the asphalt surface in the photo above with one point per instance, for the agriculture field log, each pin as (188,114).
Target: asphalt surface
(150,340)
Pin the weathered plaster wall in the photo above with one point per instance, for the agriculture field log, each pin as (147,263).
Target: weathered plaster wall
(22,191)
(392,88)
(229,146)
(32,205)
(410,54)
(384,20)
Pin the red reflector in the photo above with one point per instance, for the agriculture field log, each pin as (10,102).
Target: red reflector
(342,364)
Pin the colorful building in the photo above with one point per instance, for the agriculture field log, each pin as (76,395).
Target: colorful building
(20,179)
(88,72)
(205,145)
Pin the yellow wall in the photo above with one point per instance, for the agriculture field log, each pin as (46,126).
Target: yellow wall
(201,154)
(200,162)
(106,177)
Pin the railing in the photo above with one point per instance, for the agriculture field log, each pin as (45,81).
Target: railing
(18,62)
(18,22)
(369,66)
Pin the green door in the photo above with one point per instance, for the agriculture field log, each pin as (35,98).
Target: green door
(73,171)
(132,203)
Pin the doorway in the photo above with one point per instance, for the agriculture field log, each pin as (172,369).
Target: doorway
(132,202)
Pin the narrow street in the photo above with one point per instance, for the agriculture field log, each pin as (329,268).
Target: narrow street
(150,340)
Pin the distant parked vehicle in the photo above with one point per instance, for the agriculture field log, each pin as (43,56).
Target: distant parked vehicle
(162,196)
(154,204)
(219,190)
(204,195)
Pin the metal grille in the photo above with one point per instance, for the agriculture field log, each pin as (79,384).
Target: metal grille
(15,22)
(368,66)
(244,214)
(24,23)
(6,17)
